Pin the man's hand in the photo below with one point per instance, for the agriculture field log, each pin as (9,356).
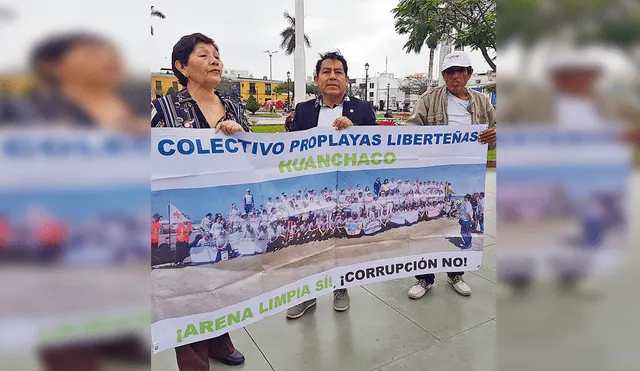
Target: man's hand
(487,136)
(342,123)
(229,127)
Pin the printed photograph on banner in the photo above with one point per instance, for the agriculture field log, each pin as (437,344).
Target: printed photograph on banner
(235,240)
(579,197)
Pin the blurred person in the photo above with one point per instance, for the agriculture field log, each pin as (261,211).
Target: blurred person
(333,108)
(572,99)
(466,220)
(376,186)
(207,222)
(453,104)
(85,84)
(155,238)
(183,237)
(289,120)
(196,63)
(248,202)
(480,213)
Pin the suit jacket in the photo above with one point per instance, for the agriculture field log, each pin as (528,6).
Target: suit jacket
(356,110)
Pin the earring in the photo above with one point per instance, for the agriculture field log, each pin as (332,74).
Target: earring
(186,74)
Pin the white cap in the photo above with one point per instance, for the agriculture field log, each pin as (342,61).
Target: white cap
(456,59)
(576,60)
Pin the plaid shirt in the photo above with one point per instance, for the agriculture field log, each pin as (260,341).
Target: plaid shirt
(180,110)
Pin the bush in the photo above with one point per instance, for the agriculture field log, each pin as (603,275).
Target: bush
(170,90)
(252,104)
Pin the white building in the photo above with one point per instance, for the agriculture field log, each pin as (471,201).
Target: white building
(235,73)
(379,86)
(480,79)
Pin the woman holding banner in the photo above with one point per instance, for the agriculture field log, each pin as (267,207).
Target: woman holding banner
(196,63)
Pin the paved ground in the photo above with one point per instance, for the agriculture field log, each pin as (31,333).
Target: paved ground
(384,330)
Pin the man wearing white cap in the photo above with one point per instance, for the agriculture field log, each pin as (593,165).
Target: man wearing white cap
(248,202)
(453,104)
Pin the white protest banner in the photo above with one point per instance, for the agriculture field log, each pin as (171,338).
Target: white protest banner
(74,230)
(571,183)
(296,216)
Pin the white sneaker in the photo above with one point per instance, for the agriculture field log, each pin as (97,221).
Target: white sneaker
(419,289)
(459,285)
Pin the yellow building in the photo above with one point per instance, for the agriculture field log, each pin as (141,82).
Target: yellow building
(261,89)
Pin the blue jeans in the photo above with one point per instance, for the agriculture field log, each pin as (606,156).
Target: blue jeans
(465,231)
(248,208)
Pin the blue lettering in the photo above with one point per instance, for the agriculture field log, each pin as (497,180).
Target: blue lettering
(227,145)
(465,138)
(474,136)
(321,139)
(265,151)
(312,142)
(377,139)
(428,138)
(304,144)
(254,149)
(278,148)
(354,138)
(365,141)
(447,138)
(216,145)
(294,144)
(244,144)
(417,139)
(201,150)
(190,147)
(457,136)
(161,147)
(406,139)
(344,140)
(438,136)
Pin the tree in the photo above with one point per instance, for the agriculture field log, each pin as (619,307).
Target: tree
(313,89)
(465,22)
(416,85)
(288,35)
(158,14)
(225,86)
(170,90)
(252,104)
(284,88)
(530,21)
(355,91)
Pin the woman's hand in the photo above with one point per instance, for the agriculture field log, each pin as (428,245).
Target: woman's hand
(229,127)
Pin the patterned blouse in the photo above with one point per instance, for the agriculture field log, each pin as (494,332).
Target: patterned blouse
(180,110)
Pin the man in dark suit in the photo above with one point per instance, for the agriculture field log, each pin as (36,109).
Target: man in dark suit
(333,108)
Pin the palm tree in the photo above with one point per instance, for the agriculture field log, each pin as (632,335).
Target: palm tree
(289,36)
(156,13)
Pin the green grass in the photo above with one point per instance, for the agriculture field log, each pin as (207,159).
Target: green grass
(276,115)
(491,155)
(380,116)
(267,129)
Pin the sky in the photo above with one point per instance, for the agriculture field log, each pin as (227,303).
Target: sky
(361,29)
(197,202)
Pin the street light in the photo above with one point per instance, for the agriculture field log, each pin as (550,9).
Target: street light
(270,53)
(388,84)
(288,91)
(366,82)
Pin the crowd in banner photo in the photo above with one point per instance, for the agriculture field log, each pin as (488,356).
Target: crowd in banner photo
(308,215)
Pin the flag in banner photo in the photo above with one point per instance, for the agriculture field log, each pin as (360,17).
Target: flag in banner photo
(176,215)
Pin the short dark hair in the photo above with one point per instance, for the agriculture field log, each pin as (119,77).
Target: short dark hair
(53,48)
(482,194)
(332,55)
(183,49)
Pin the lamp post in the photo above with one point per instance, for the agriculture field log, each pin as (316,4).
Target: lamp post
(270,54)
(388,85)
(288,91)
(366,82)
